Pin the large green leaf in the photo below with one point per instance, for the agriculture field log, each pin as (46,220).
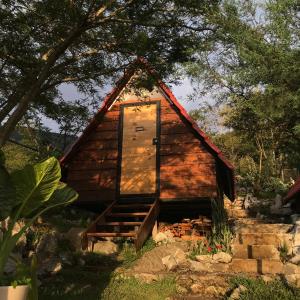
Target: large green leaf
(63,195)
(7,194)
(35,185)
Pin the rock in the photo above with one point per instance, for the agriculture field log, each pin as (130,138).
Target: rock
(204,258)
(170,262)
(199,266)
(66,258)
(295,259)
(166,237)
(295,218)
(293,279)
(211,290)
(146,277)
(81,262)
(151,261)
(290,269)
(196,288)
(50,265)
(47,246)
(106,247)
(184,280)
(22,240)
(181,290)
(74,235)
(222,257)
(247,201)
(180,257)
(235,295)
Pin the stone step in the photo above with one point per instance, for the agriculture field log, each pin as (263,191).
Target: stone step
(255,251)
(260,266)
(276,240)
(265,228)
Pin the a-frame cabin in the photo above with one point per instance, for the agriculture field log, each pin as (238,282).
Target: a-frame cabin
(141,150)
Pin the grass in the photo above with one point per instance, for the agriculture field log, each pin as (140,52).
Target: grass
(97,279)
(132,289)
(129,255)
(257,289)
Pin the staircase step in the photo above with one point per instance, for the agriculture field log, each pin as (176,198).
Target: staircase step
(133,205)
(111,234)
(255,251)
(131,214)
(120,224)
(276,240)
(260,266)
(265,228)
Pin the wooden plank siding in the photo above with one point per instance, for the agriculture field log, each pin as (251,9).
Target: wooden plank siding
(187,168)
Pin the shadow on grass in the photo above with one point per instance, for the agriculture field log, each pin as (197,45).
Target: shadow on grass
(84,282)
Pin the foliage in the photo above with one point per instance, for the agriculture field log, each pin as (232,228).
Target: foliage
(49,44)
(221,231)
(208,246)
(221,235)
(28,193)
(258,289)
(284,252)
(252,71)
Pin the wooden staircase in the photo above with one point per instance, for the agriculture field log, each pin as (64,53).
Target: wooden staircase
(132,218)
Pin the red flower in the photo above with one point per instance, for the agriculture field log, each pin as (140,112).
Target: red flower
(219,246)
(209,249)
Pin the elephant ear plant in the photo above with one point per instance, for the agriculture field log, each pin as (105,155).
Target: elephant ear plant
(26,194)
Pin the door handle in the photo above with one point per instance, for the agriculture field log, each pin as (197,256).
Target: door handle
(155,141)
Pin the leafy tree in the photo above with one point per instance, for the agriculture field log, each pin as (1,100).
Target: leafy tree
(254,68)
(47,43)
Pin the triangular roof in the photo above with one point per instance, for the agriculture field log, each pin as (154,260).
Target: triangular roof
(228,169)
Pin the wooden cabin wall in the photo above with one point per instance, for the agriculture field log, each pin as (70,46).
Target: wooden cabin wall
(187,168)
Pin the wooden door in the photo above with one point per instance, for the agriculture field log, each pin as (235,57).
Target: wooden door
(139,149)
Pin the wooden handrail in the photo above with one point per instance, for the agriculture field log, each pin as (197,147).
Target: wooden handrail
(147,225)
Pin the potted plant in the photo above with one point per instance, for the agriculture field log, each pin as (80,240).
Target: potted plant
(26,194)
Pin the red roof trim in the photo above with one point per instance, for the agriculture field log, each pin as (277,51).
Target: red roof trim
(294,190)
(115,92)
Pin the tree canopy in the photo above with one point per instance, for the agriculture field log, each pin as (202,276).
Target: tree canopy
(253,70)
(47,43)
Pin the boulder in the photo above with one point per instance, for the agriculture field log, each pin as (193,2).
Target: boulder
(196,288)
(180,257)
(169,262)
(204,258)
(74,235)
(181,290)
(51,265)
(200,266)
(235,295)
(290,269)
(166,237)
(293,279)
(295,259)
(47,246)
(222,257)
(106,247)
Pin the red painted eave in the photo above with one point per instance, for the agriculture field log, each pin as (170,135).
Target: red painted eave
(294,191)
